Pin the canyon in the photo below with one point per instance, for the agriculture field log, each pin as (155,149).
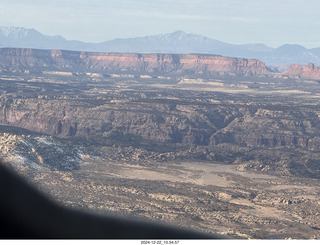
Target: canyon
(119,124)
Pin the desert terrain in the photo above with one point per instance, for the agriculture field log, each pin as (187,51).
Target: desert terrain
(227,147)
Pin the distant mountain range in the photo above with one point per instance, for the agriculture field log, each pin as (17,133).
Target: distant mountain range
(176,42)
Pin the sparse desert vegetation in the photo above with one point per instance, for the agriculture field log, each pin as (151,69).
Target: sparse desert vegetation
(231,154)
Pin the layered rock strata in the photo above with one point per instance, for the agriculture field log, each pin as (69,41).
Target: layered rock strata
(166,123)
(308,72)
(36,60)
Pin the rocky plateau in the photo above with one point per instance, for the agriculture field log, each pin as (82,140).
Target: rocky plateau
(13,59)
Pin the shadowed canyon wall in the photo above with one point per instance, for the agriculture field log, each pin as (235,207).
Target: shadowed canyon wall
(167,123)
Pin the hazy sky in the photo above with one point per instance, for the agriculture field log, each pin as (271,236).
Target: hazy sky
(273,22)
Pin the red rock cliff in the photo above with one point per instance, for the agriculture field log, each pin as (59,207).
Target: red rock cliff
(31,59)
(309,72)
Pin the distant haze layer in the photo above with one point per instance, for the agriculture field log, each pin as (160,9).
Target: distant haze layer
(178,42)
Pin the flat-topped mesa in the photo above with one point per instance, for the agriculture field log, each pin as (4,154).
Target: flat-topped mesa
(309,72)
(31,59)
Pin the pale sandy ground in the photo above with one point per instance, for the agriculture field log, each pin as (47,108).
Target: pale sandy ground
(218,195)
(224,176)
